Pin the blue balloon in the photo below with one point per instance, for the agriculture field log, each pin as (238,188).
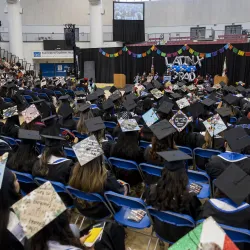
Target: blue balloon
(189,69)
(178,68)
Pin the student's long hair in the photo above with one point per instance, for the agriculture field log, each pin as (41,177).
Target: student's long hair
(47,153)
(170,196)
(81,126)
(59,231)
(89,178)
(8,196)
(208,141)
(161,145)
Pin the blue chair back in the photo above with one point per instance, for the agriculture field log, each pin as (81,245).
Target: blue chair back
(70,92)
(198,176)
(109,137)
(7,99)
(151,169)
(144,144)
(186,150)
(76,118)
(11,141)
(43,96)
(69,153)
(80,89)
(94,106)
(28,98)
(123,164)
(79,135)
(58,186)
(40,147)
(205,153)
(57,93)
(233,120)
(111,125)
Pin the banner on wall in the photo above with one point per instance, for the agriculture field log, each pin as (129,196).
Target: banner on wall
(53,54)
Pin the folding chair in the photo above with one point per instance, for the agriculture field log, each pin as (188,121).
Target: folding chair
(28,98)
(57,93)
(93,106)
(185,222)
(11,141)
(188,151)
(151,173)
(6,99)
(43,96)
(233,120)
(111,125)
(126,204)
(70,92)
(144,144)
(70,153)
(79,135)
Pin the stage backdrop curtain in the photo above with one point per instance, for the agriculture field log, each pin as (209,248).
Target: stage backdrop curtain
(237,66)
(129,31)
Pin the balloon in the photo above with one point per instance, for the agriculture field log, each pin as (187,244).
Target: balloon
(192,76)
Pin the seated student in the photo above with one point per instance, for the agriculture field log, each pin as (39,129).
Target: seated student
(23,159)
(236,145)
(52,126)
(11,126)
(90,176)
(9,194)
(229,206)
(52,164)
(146,106)
(108,111)
(171,193)
(85,114)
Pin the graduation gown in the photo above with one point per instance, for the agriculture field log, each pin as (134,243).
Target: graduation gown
(218,164)
(96,210)
(68,123)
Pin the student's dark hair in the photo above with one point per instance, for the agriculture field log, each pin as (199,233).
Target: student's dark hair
(170,197)
(58,230)
(147,104)
(48,152)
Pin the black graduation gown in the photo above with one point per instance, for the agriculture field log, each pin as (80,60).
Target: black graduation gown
(171,232)
(96,210)
(68,123)
(218,164)
(11,242)
(10,129)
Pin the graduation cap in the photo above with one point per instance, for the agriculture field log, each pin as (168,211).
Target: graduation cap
(224,111)
(183,103)
(175,159)
(213,97)
(157,84)
(128,89)
(49,118)
(30,113)
(222,84)
(128,125)
(234,183)
(95,124)
(38,209)
(99,92)
(165,99)
(237,138)
(179,121)
(231,89)
(65,110)
(208,102)
(87,150)
(162,129)
(114,97)
(149,86)
(196,109)
(215,125)
(165,107)
(112,89)
(131,96)
(156,93)
(82,107)
(225,88)
(150,117)
(80,93)
(129,104)
(9,112)
(64,98)
(209,89)
(180,84)
(230,99)
(28,135)
(92,97)
(240,89)
(107,104)
(175,95)
(53,141)
(9,85)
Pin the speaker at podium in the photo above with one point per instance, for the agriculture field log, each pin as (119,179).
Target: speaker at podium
(119,81)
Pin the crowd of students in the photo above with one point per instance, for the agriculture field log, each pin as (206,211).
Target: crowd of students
(83,107)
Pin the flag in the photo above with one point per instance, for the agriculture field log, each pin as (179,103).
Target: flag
(224,72)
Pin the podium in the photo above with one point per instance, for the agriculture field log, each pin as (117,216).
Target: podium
(119,81)
(218,79)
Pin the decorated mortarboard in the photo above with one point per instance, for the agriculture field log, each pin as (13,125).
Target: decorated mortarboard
(237,138)
(191,87)
(99,92)
(150,117)
(175,95)
(162,129)
(196,109)
(3,161)
(183,103)
(149,86)
(53,141)
(207,235)
(165,107)
(215,125)
(230,99)
(9,112)
(92,97)
(107,104)
(65,110)
(38,209)
(224,111)
(184,88)
(30,135)
(208,102)
(30,113)
(43,82)
(129,104)
(234,183)
(87,150)
(179,121)
(95,124)
(82,107)
(112,89)
(128,125)
(156,93)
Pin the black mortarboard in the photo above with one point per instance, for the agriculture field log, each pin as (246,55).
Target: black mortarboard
(112,89)
(222,84)
(208,102)
(65,110)
(107,104)
(48,118)
(209,89)
(176,95)
(230,99)
(38,101)
(32,135)
(231,89)
(95,124)
(92,97)
(162,129)
(115,97)
(196,109)
(157,84)
(234,183)
(237,138)
(224,111)
(64,97)
(241,89)
(174,155)
(180,84)
(213,97)
(131,97)
(79,94)
(165,107)
(128,89)
(149,86)
(82,107)
(129,104)
(53,141)
(165,99)
(9,85)
(99,92)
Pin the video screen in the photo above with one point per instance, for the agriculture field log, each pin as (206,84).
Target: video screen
(129,11)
